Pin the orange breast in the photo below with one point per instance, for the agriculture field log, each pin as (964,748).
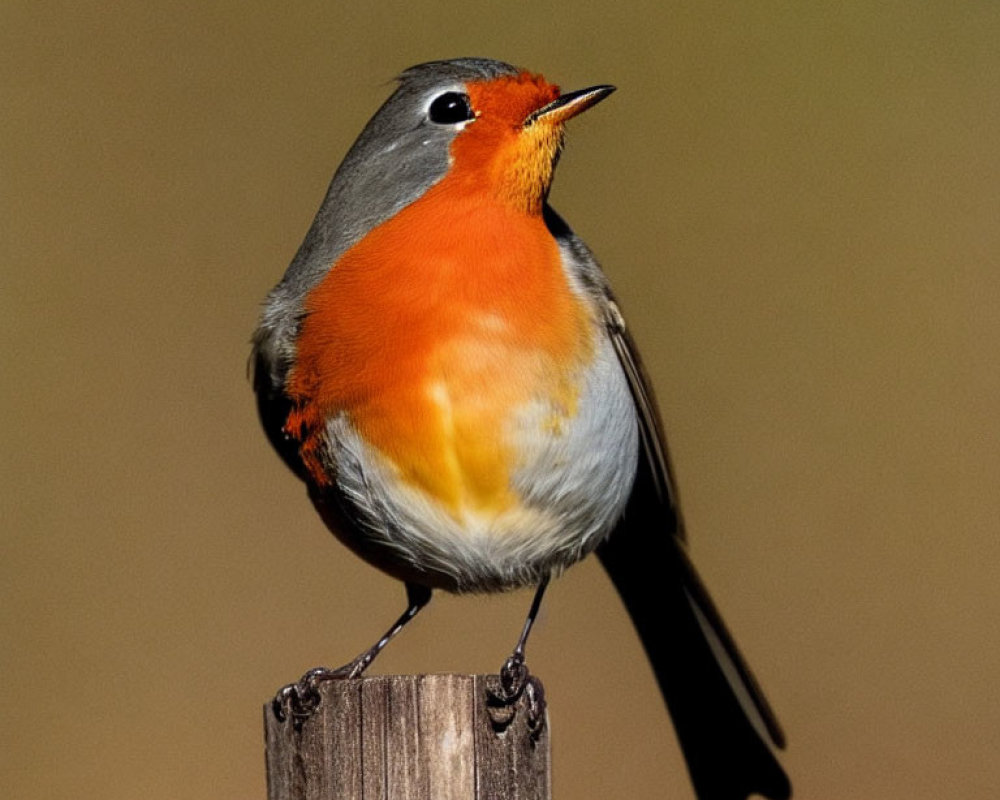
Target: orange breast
(431,334)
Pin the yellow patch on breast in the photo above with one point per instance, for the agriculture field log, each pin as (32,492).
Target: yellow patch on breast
(478,391)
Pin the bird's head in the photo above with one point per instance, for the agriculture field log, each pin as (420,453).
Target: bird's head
(487,125)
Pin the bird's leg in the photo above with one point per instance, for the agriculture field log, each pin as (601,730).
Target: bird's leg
(514,672)
(300,700)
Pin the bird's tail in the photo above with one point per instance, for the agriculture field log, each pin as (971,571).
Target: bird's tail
(725,726)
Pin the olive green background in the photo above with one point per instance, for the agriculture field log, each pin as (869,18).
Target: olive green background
(799,204)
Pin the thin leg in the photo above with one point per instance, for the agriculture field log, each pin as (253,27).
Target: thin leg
(300,700)
(536,604)
(514,672)
(417,597)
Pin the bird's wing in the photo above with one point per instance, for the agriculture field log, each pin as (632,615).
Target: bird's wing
(654,443)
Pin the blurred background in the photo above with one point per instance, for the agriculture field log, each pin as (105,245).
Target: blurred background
(799,205)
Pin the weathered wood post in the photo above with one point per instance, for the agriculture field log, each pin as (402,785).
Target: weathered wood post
(412,737)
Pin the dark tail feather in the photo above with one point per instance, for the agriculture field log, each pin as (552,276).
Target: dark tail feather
(722,720)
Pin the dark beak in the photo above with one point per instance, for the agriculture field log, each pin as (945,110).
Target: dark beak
(569,105)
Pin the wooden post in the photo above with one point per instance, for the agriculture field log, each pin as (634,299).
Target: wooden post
(412,737)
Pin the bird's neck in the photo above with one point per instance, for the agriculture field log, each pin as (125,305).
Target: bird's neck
(511,169)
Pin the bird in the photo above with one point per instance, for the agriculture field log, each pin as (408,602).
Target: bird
(446,368)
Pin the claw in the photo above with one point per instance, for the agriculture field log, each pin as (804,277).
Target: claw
(281,699)
(535,696)
(299,701)
(503,692)
(513,677)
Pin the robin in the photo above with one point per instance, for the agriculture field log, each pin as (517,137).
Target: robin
(445,367)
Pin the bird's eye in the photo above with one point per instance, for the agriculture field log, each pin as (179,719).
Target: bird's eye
(450,108)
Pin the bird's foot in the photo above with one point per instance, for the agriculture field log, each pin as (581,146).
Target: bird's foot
(534,696)
(513,678)
(512,683)
(299,701)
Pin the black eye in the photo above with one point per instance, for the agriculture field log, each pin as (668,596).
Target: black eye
(449,108)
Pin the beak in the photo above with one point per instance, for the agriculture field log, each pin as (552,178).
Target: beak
(569,105)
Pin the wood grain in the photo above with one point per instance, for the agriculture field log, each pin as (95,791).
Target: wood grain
(411,737)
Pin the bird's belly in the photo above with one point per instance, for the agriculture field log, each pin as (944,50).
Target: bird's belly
(503,466)
(480,410)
